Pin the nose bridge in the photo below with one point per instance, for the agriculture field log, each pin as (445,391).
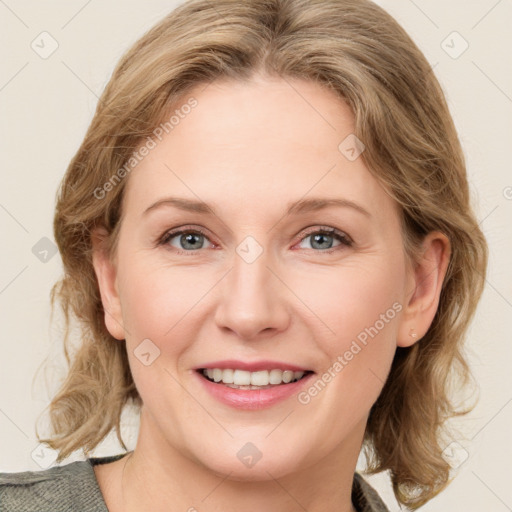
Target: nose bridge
(250,274)
(252,298)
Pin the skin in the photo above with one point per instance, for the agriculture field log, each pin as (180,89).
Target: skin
(249,150)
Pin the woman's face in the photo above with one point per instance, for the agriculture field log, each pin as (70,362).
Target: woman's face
(273,275)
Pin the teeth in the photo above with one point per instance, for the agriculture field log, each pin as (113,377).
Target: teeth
(241,378)
(249,379)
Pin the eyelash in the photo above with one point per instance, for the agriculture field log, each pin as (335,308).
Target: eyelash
(324,230)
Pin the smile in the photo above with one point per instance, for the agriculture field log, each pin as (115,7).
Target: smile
(242,379)
(271,386)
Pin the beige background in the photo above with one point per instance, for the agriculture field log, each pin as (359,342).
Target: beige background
(46,106)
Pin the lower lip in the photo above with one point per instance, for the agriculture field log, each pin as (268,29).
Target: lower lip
(252,399)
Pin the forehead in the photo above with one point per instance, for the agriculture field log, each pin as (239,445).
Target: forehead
(265,142)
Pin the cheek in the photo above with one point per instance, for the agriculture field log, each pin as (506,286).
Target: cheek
(166,305)
(158,305)
(347,300)
(156,298)
(359,308)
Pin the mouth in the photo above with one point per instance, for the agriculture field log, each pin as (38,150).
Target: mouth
(242,379)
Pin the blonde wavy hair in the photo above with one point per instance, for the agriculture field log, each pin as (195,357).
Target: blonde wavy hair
(356,49)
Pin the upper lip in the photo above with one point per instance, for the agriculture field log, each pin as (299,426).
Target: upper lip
(253,366)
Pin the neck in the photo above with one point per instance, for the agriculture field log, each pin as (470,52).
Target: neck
(158,477)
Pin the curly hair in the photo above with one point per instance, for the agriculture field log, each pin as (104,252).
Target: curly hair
(357,50)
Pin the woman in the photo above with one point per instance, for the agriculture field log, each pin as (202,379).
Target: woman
(269,244)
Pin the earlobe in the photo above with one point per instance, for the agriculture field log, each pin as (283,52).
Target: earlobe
(422,300)
(106,274)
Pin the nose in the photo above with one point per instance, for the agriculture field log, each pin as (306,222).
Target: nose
(253,300)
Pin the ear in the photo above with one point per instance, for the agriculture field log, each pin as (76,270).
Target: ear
(425,283)
(106,274)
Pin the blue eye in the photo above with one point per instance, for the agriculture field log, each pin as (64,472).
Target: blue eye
(323,239)
(190,240)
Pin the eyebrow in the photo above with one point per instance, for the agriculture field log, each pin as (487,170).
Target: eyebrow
(295,208)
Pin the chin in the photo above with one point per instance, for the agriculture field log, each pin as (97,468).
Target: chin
(250,464)
(260,472)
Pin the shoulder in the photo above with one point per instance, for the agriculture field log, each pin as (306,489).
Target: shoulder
(364,496)
(58,489)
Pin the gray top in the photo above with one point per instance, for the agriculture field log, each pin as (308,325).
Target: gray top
(73,487)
